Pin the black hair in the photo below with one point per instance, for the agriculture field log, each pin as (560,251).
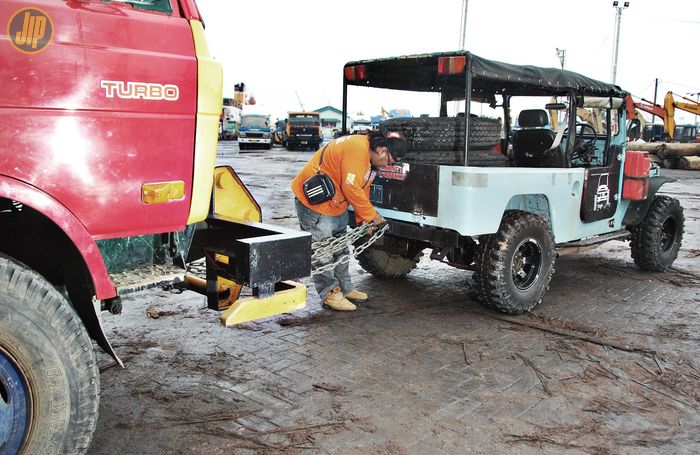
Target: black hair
(376,139)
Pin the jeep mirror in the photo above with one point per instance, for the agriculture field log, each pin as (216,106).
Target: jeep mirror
(634,129)
(555,106)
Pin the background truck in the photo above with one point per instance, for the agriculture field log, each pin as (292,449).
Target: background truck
(303,131)
(93,180)
(230,119)
(505,202)
(256,131)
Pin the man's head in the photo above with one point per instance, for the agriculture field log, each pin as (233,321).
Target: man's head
(386,147)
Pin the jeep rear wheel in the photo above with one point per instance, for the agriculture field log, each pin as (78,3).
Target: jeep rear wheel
(384,264)
(515,265)
(49,382)
(657,240)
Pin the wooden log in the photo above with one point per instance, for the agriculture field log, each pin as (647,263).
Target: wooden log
(671,163)
(651,147)
(689,162)
(675,149)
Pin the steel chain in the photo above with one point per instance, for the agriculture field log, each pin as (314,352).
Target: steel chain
(324,249)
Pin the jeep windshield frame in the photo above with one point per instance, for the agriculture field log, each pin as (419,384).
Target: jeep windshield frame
(480,81)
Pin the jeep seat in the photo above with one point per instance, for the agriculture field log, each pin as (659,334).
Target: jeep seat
(532,143)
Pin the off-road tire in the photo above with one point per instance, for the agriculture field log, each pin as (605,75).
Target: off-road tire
(383,264)
(440,140)
(494,279)
(43,341)
(656,241)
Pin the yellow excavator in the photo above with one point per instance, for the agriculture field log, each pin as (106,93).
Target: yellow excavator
(688,133)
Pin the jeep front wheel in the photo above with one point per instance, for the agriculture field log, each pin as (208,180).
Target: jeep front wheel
(49,381)
(515,265)
(657,240)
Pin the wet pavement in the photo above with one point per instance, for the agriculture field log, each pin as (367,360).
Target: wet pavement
(607,363)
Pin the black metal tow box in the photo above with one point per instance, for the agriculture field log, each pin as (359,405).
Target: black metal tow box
(259,254)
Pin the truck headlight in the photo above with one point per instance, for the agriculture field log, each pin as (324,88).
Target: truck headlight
(241,134)
(266,135)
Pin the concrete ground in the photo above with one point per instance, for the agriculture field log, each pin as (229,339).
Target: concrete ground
(607,363)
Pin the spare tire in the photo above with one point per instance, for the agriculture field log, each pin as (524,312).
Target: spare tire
(440,140)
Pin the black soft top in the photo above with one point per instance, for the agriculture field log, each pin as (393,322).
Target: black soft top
(419,73)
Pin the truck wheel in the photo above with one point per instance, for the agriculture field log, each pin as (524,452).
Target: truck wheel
(515,265)
(383,264)
(49,381)
(657,240)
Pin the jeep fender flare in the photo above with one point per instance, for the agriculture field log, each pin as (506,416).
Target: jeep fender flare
(74,230)
(638,209)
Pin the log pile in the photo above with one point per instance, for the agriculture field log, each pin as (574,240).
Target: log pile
(670,154)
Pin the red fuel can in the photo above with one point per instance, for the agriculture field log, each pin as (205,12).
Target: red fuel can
(635,185)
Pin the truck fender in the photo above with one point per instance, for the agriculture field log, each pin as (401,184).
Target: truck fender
(62,217)
(638,209)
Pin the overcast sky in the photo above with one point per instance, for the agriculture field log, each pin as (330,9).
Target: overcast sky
(279,47)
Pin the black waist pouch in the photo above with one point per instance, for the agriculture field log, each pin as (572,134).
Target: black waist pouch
(319,188)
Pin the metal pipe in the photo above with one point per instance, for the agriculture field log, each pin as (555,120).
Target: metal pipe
(465,3)
(617,37)
(345,104)
(467,106)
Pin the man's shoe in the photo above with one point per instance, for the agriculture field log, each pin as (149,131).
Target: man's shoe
(356,296)
(336,301)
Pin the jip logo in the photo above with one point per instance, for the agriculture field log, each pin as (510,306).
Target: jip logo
(30,30)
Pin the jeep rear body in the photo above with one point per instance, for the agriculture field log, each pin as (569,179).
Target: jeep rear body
(444,188)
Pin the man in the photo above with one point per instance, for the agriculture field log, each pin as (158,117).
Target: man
(351,163)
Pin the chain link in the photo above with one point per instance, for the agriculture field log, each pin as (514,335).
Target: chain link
(325,248)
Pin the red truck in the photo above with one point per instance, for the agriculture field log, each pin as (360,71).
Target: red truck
(108,120)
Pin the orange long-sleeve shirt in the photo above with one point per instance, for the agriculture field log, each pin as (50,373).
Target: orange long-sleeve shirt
(346,162)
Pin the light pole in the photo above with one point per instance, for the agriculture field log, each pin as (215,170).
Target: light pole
(561,53)
(463,26)
(617,36)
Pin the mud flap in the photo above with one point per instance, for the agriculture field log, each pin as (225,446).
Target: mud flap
(638,209)
(90,315)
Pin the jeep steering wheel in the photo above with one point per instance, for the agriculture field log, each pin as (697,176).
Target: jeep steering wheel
(583,150)
(590,142)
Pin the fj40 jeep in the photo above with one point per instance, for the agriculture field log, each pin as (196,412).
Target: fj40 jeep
(541,171)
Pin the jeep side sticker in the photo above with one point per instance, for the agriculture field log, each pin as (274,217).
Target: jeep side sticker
(602,194)
(30,30)
(140,90)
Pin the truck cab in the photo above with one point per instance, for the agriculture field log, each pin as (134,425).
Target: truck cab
(255,132)
(109,126)
(303,131)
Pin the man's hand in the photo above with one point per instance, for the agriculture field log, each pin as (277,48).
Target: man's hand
(378,219)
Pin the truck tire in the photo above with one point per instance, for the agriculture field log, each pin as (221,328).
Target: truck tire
(49,381)
(383,264)
(440,140)
(656,241)
(515,265)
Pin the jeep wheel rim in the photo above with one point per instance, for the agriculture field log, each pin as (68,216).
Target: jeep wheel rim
(526,265)
(668,234)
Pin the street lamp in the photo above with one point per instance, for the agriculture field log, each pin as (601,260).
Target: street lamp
(617,35)
(561,53)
